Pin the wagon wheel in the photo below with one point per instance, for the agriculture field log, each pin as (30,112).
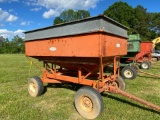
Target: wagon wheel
(154,59)
(35,86)
(120,82)
(135,67)
(145,65)
(88,102)
(150,63)
(128,72)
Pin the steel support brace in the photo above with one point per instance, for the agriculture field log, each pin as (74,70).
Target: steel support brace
(116,67)
(101,69)
(79,75)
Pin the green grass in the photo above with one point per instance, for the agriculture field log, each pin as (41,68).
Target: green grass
(57,102)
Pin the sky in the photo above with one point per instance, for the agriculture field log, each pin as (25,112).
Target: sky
(18,16)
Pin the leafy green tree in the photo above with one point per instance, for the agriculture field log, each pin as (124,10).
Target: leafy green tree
(154,23)
(58,20)
(4,45)
(2,39)
(80,14)
(16,45)
(122,13)
(71,15)
(137,19)
(68,15)
(142,26)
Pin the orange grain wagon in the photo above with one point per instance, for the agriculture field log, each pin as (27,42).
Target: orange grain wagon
(77,52)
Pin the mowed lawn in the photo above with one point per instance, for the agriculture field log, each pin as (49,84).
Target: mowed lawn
(57,102)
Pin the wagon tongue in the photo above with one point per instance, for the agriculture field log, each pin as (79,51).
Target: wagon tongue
(132,97)
(156,76)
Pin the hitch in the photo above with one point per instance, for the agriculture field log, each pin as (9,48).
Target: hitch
(132,97)
(157,76)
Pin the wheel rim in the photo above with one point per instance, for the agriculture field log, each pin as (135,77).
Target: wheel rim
(32,87)
(145,66)
(128,73)
(86,104)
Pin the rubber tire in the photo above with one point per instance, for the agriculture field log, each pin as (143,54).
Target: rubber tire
(134,72)
(95,98)
(121,83)
(146,64)
(150,64)
(136,67)
(154,59)
(38,86)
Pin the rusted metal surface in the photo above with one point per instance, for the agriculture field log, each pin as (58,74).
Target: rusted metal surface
(90,45)
(146,46)
(80,73)
(89,38)
(145,52)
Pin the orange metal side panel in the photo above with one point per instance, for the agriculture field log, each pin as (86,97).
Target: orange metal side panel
(113,46)
(146,46)
(75,46)
(146,49)
(89,45)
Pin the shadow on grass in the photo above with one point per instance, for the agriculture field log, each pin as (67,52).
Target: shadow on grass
(75,87)
(70,86)
(130,103)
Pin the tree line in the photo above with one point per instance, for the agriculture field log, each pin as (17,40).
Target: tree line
(137,19)
(16,45)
